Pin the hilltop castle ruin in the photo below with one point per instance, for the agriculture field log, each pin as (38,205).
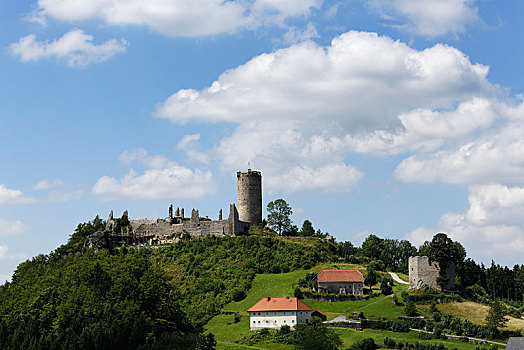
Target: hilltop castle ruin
(130,232)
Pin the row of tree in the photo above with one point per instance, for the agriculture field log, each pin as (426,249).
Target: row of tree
(499,282)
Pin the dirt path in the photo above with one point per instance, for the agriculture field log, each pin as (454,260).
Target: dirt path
(396,278)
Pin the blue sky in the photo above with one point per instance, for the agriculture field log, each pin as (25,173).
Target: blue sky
(400,118)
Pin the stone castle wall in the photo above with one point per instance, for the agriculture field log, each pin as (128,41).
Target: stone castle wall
(119,232)
(423,274)
(249,196)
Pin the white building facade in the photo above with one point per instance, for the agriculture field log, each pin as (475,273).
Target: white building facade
(277,312)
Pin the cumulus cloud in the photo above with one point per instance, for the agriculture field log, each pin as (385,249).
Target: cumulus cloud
(177,17)
(492,225)
(429,17)
(294,35)
(11,228)
(330,178)
(303,109)
(75,48)
(10,196)
(47,184)
(360,80)
(57,191)
(494,155)
(162,179)
(188,144)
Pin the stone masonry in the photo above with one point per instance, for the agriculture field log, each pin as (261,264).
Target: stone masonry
(422,274)
(249,196)
(176,225)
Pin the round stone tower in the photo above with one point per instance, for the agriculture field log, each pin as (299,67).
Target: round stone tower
(249,196)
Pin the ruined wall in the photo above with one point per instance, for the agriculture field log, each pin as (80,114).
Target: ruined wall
(249,196)
(422,274)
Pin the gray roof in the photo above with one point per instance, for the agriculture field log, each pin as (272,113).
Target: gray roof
(515,343)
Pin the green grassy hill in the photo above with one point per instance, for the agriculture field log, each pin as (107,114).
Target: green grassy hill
(226,331)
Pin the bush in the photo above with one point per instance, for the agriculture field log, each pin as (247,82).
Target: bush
(410,309)
(364,344)
(399,326)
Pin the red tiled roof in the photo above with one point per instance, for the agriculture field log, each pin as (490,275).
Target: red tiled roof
(280,304)
(320,312)
(340,276)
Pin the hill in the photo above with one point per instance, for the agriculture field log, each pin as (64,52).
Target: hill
(139,297)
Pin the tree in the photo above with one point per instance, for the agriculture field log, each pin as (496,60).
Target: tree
(386,286)
(315,336)
(279,215)
(371,277)
(372,247)
(496,318)
(410,309)
(307,229)
(444,251)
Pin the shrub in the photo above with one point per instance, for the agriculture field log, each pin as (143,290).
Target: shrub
(364,344)
(399,326)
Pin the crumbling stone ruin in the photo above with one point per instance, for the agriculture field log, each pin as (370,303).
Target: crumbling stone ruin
(422,274)
(133,232)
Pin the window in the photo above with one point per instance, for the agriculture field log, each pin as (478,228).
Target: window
(284,321)
(276,313)
(285,313)
(259,314)
(258,321)
(293,313)
(267,313)
(254,321)
(275,321)
(301,312)
(267,321)
(292,321)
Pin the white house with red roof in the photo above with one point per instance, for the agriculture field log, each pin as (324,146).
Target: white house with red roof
(276,312)
(341,282)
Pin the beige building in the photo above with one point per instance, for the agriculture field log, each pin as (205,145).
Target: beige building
(277,312)
(341,282)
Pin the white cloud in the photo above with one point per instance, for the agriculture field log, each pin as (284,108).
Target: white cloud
(429,17)
(493,224)
(493,155)
(11,228)
(362,80)
(163,179)
(330,178)
(47,184)
(303,109)
(427,130)
(10,196)
(178,17)
(57,191)
(294,35)
(188,144)
(75,48)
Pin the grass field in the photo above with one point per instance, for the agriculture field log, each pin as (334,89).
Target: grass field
(227,333)
(476,313)
(280,285)
(267,285)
